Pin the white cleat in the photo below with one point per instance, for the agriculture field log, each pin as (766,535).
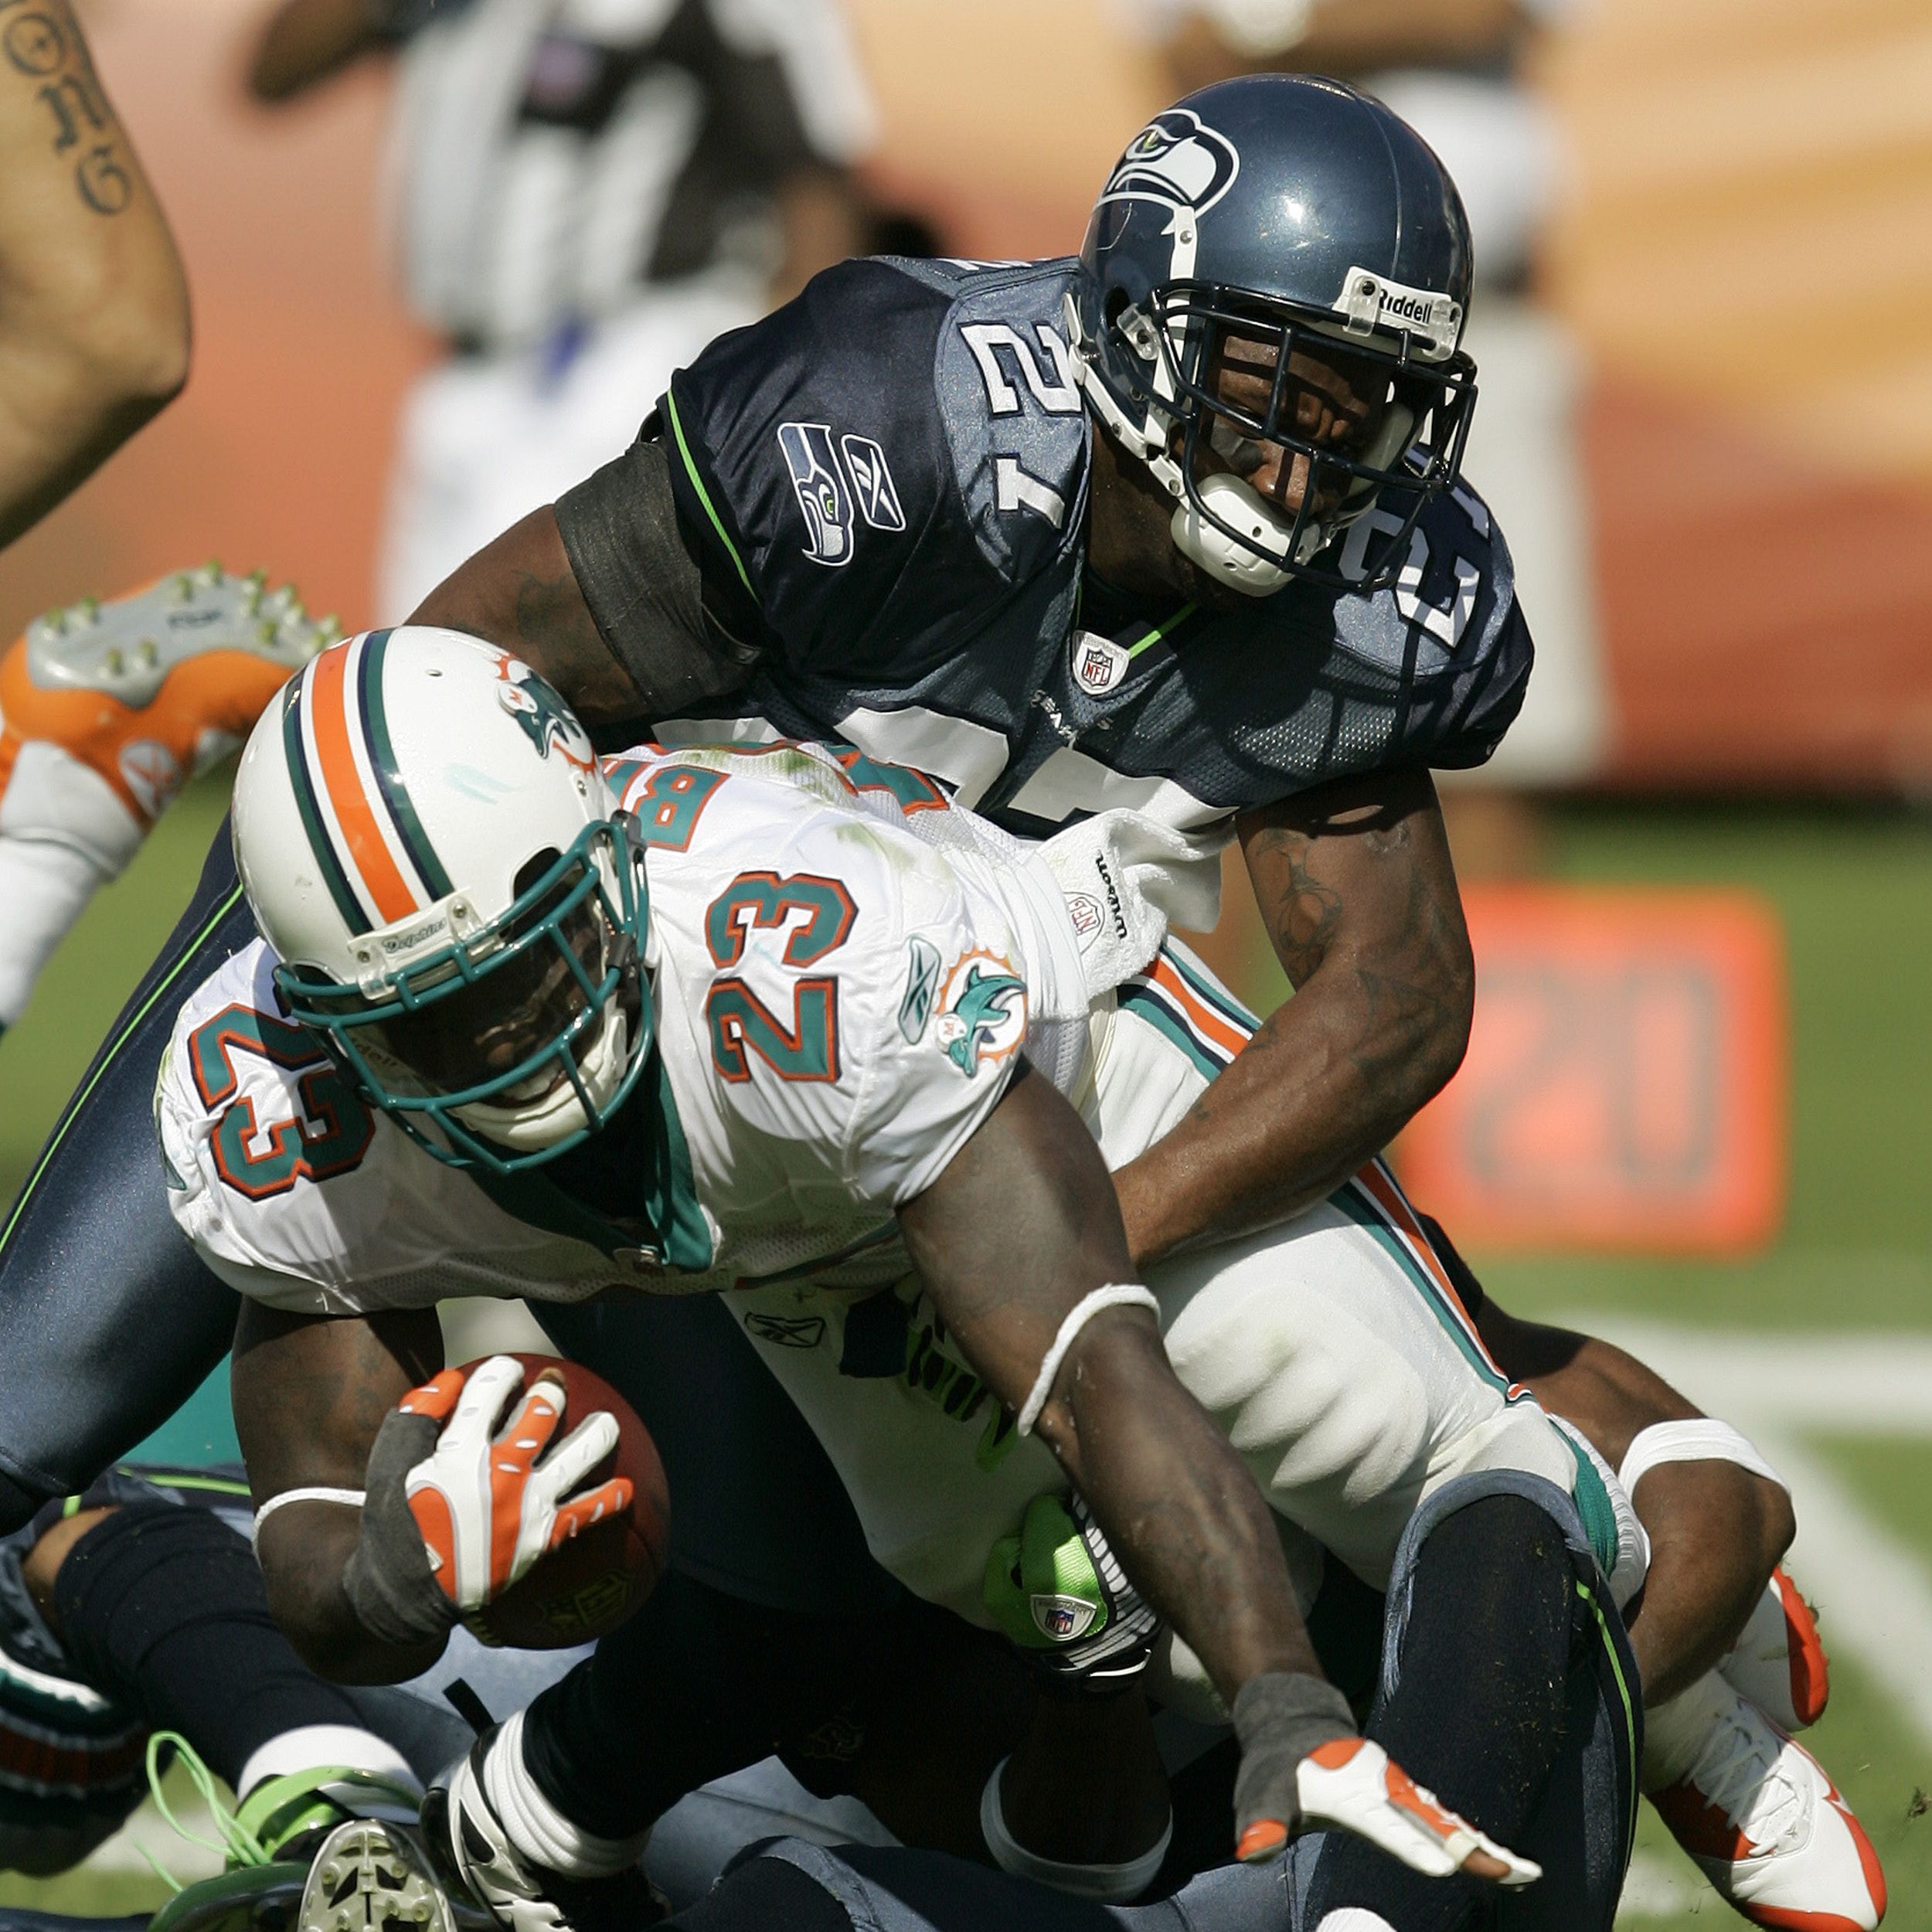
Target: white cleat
(1778,1660)
(368,1876)
(107,710)
(1757,1814)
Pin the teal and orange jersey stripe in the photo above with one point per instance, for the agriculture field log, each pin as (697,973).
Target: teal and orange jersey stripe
(1375,1202)
(1180,999)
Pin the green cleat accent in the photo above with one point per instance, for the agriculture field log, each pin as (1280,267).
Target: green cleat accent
(255,1898)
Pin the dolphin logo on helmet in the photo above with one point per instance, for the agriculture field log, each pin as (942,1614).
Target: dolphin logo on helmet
(534,703)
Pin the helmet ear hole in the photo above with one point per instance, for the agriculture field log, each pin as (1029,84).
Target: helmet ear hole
(533,868)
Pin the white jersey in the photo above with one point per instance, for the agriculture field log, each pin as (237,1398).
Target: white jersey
(837,1006)
(843,966)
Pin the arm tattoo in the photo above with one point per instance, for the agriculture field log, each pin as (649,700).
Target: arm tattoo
(1307,910)
(43,43)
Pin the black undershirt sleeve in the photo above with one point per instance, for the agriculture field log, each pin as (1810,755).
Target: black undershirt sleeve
(644,589)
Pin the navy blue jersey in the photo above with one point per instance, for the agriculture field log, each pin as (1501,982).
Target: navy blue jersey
(884,486)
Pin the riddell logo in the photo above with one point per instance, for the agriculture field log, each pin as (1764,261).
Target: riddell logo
(1409,308)
(1370,301)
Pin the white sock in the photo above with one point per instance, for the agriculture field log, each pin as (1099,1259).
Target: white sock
(45,887)
(1353,1918)
(327,1746)
(539,1832)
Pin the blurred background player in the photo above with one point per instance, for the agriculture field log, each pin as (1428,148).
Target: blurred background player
(585,192)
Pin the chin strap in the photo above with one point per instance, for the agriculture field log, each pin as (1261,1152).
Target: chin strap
(1194,536)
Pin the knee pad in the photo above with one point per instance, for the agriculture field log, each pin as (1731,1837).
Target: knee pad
(1623,1539)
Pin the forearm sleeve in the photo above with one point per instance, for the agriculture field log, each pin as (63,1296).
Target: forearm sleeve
(644,588)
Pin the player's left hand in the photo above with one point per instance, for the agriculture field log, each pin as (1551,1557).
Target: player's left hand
(457,1509)
(1059,1593)
(1286,1786)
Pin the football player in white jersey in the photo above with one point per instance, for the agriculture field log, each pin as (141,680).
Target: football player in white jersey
(828,1027)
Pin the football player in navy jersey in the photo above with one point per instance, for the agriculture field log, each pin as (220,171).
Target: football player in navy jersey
(1175,526)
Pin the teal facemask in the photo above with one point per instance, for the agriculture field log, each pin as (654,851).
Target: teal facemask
(509,1047)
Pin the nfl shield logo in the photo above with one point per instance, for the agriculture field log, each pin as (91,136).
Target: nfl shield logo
(1099,663)
(1062,1618)
(1084,911)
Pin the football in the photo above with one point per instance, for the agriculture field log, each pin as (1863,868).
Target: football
(586,1587)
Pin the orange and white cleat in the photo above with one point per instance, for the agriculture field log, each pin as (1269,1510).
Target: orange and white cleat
(105,711)
(1758,1816)
(1778,1660)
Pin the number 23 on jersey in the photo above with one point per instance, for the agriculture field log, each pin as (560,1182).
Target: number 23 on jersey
(817,914)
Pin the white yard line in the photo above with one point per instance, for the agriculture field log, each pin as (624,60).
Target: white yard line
(1868,1384)
(1655,1888)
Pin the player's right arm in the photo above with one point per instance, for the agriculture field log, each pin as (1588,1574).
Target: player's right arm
(1012,1240)
(661,581)
(394,1496)
(520,592)
(94,304)
(310,1394)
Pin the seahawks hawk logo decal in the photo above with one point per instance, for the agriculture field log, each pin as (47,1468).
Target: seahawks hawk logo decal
(1177,159)
(546,719)
(982,1018)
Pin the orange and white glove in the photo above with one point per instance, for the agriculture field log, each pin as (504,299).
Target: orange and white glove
(1289,1783)
(457,1507)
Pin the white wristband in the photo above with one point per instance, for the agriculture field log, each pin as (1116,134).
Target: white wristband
(1701,1439)
(1116,1294)
(1108,1884)
(348,1499)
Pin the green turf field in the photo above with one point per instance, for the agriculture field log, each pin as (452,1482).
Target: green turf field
(1856,1253)
(1855,1261)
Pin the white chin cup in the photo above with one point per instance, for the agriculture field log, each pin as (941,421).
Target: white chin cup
(1234,564)
(558,1113)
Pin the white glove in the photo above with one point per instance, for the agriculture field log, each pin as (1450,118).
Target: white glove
(1350,1783)
(1302,1766)
(1124,877)
(455,1511)
(486,1508)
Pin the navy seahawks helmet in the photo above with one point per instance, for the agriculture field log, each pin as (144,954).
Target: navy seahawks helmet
(1290,210)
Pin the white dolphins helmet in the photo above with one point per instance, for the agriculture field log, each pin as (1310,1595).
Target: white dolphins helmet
(458,908)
